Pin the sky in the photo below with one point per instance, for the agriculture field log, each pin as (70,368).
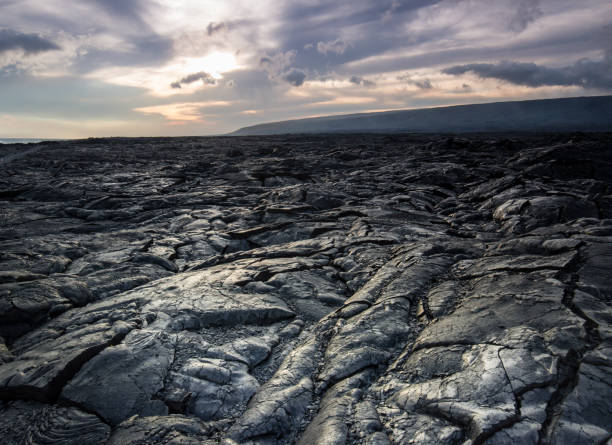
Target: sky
(91,68)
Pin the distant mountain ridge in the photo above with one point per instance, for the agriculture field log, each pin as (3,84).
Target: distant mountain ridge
(565,114)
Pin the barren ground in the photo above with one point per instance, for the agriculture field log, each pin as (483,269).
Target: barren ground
(346,289)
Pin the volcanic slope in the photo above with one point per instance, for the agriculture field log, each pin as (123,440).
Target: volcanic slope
(564,114)
(349,289)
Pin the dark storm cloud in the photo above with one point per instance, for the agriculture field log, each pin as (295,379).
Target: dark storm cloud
(295,77)
(584,73)
(361,81)
(205,77)
(28,43)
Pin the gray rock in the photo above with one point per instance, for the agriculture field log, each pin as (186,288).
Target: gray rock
(160,430)
(5,354)
(585,414)
(46,424)
(281,403)
(25,305)
(345,289)
(120,381)
(217,389)
(40,373)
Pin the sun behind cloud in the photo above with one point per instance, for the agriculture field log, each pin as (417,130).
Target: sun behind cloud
(160,81)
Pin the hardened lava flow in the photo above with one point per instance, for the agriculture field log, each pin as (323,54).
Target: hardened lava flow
(339,289)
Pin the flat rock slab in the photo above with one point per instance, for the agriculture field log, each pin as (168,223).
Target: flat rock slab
(122,380)
(41,372)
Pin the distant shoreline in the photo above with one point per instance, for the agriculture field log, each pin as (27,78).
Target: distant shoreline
(24,140)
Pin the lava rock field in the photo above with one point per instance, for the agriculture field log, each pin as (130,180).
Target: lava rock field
(321,289)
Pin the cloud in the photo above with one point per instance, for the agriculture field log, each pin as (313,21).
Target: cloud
(248,84)
(87,36)
(361,81)
(584,73)
(297,58)
(28,43)
(337,46)
(277,62)
(190,111)
(528,11)
(395,4)
(346,30)
(150,49)
(120,7)
(127,11)
(424,84)
(206,78)
(278,66)
(295,77)
(214,28)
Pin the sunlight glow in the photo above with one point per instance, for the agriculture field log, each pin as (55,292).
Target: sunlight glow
(215,64)
(182,111)
(159,80)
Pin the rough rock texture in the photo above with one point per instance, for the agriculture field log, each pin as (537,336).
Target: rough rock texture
(312,290)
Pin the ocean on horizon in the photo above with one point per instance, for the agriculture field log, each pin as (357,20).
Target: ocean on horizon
(20,140)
